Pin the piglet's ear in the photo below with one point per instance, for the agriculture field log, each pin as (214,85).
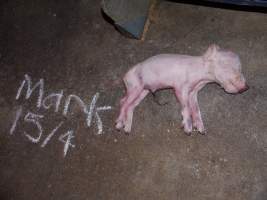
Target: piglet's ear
(211,52)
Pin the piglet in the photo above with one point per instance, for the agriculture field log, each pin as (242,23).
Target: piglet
(186,75)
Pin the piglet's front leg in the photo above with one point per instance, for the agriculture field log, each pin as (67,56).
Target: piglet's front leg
(194,107)
(183,98)
(195,113)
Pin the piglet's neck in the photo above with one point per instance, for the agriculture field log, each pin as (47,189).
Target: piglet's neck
(207,71)
(203,72)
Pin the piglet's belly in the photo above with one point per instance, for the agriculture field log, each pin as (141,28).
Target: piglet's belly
(157,86)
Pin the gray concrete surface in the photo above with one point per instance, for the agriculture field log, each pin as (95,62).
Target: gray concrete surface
(73,48)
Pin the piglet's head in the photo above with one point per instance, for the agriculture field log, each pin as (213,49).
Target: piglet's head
(225,67)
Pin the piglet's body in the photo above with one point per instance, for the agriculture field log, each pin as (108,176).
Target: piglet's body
(186,75)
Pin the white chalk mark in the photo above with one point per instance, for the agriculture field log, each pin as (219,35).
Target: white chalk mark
(91,109)
(67,103)
(33,118)
(67,142)
(54,100)
(18,114)
(30,89)
(104,108)
(98,119)
(51,134)
(99,124)
(48,101)
(20,88)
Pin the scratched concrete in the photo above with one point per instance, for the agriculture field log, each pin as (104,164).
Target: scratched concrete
(72,47)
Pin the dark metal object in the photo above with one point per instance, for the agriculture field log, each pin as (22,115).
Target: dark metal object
(128,15)
(131,17)
(261,3)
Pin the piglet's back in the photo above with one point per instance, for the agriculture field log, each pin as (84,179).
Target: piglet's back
(162,70)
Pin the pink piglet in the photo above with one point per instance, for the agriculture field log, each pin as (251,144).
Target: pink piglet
(186,75)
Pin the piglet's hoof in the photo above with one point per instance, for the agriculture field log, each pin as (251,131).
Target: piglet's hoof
(126,133)
(119,125)
(187,127)
(202,132)
(127,129)
(188,133)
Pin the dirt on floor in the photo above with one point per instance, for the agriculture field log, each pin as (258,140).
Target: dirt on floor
(50,148)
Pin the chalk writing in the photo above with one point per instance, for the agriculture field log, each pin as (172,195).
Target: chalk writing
(88,111)
(53,101)
(48,101)
(18,114)
(28,81)
(34,118)
(69,136)
(51,134)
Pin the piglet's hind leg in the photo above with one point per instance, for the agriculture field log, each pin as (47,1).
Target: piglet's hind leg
(132,94)
(130,110)
(133,88)
(119,120)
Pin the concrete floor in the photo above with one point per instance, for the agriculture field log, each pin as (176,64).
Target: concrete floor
(74,49)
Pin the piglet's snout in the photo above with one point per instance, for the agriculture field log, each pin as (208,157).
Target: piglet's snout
(243,89)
